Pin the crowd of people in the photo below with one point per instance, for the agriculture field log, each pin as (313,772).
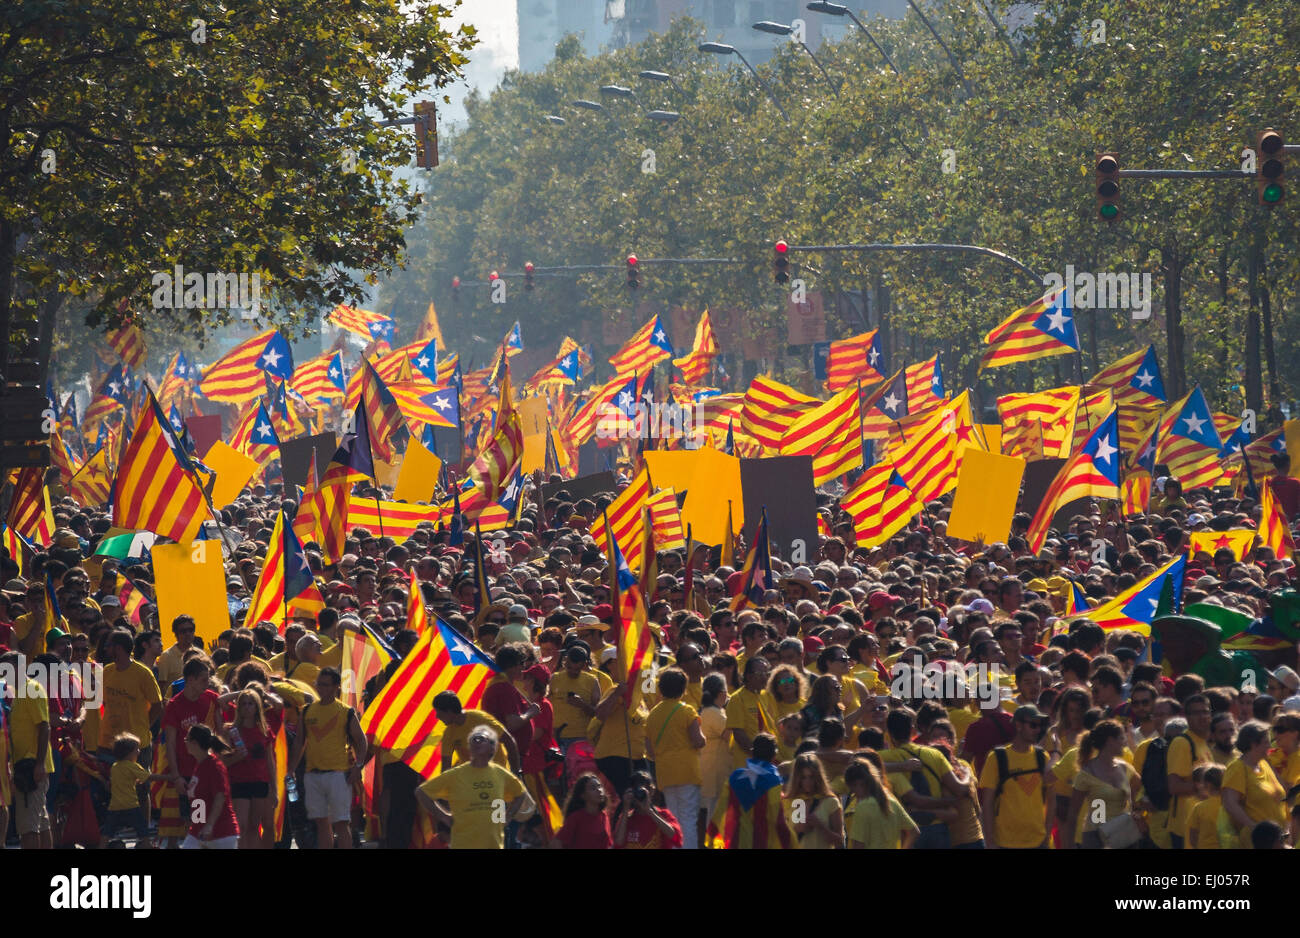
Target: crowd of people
(924,693)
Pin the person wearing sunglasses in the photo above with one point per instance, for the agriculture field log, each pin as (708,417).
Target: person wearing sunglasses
(1013,787)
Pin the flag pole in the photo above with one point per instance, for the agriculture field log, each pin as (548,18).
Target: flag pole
(617,604)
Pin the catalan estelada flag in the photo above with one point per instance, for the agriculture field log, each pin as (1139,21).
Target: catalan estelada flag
(384,416)
(429,404)
(364,656)
(633,639)
(1039,424)
(1043,328)
(925,452)
(362,322)
(401,717)
(1135,493)
(429,330)
(831,434)
(1134,379)
(240,375)
(639,354)
(255,435)
(1135,607)
(695,365)
(111,397)
(128,343)
(624,516)
(1093,472)
(1274,528)
(667,520)
(857,358)
(29,509)
(492,467)
(132,600)
(925,382)
(285,576)
(1076,603)
(885,406)
(880,504)
(155,489)
(92,484)
(1240,542)
(756,575)
(750,814)
(1188,442)
(320,380)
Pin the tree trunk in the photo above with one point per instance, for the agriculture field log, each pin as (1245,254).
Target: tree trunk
(1254,386)
(8,259)
(1270,359)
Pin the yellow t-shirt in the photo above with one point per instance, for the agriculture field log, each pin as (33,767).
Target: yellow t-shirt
(934,766)
(1204,821)
(617,732)
(570,722)
(331,655)
(478,799)
(961,719)
(128,694)
(677,762)
(751,713)
(455,739)
(695,694)
(1262,795)
(871,678)
(1287,770)
(1114,801)
(28,621)
(294,694)
(123,778)
(30,710)
(1181,760)
(303,671)
(606,682)
(880,830)
(326,725)
(1020,820)
(170,664)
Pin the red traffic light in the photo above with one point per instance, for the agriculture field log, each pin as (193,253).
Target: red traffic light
(494,276)
(455,282)
(631,260)
(782,247)
(528,268)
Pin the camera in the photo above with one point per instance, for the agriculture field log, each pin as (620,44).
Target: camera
(641,794)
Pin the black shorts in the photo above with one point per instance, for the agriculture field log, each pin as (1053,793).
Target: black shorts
(250,789)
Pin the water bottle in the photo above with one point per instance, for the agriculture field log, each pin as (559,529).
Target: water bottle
(238,740)
(291,787)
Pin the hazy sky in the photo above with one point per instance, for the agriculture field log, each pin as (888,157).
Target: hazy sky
(497,50)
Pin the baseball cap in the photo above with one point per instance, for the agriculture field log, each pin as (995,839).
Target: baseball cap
(1028,712)
(518,612)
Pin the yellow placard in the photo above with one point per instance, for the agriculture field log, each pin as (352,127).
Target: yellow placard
(533,417)
(419,475)
(1291,433)
(992,435)
(709,478)
(191,579)
(988,485)
(233,469)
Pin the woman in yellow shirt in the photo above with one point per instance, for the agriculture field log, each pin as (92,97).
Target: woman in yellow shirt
(965,833)
(789,691)
(880,822)
(1104,780)
(1251,790)
(812,808)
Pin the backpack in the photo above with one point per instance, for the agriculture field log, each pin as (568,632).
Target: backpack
(1155,771)
(1004,767)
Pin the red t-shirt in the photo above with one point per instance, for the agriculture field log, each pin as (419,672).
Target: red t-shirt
(253,768)
(644,834)
(502,699)
(1287,493)
(212,779)
(583,831)
(181,713)
(535,758)
(995,728)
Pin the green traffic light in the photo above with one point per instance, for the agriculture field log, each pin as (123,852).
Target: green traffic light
(1272,193)
(1109,211)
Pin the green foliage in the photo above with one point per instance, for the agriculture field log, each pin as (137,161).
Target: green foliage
(1181,86)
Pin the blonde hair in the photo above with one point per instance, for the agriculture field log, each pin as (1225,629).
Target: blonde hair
(250,694)
(808,762)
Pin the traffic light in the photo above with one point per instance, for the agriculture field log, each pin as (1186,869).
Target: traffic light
(1269,170)
(455,288)
(633,273)
(781,262)
(1108,186)
(426,134)
(528,276)
(493,277)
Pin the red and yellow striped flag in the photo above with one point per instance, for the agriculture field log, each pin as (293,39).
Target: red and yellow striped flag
(831,434)
(1039,425)
(695,365)
(362,322)
(1189,442)
(770,408)
(1093,472)
(857,358)
(317,379)
(1043,328)
(29,509)
(362,659)
(1274,527)
(880,504)
(397,520)
(492,468)
(924,383)
(132,601)
(639,354)
(1239,541)
(625,518)
(92,484)
(382,412)
(154,491)
(235,378)
(128,342)
(925,452)
(1135,493)
(667,520)
(401,717)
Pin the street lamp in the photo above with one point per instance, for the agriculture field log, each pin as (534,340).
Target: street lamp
(650,74)
(721,48)
(619,91)
(555,119)
(781,29)
(587,105)
(663,117)
(839,9)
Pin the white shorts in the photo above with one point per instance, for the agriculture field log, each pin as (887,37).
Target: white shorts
(221,843)
(328,796)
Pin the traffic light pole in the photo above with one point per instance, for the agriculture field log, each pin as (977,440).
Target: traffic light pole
(924,248)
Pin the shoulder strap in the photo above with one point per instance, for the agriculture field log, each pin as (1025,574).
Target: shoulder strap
(1041,755)
(1004,768)
(664,729)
